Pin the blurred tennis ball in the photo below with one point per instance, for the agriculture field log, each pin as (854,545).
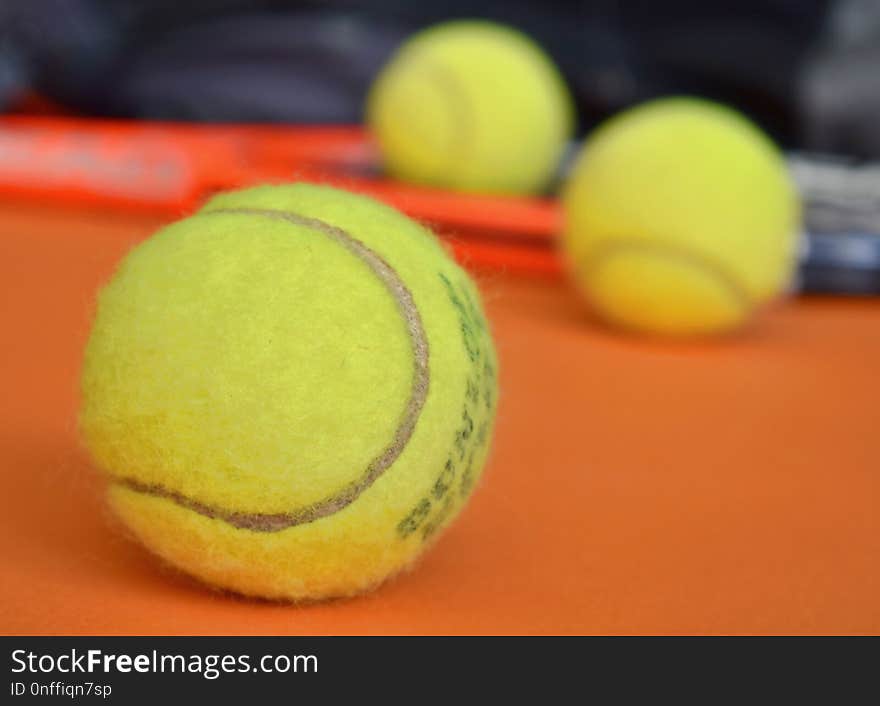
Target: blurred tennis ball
(472,106)
(681,218)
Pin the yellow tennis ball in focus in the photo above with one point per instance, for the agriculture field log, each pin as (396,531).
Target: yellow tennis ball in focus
(472,106)
(291,391)
(681,218)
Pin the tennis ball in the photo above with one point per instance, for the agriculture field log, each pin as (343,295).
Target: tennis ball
(291,391)
(472,106)
(681,218)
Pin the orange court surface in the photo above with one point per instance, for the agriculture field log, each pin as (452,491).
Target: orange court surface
(635,486)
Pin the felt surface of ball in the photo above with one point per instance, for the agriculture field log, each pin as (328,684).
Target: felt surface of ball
(291,391)
(681,218)
(473,106)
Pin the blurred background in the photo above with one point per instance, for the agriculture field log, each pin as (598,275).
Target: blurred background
(805,70)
